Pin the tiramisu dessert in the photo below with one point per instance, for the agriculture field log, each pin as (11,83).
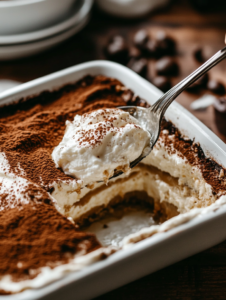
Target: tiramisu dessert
(59,150)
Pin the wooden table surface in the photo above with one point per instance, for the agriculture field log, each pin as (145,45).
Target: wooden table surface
(202,276)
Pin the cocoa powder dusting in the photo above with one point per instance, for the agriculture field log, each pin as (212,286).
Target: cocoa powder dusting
(30,130)
(36,235)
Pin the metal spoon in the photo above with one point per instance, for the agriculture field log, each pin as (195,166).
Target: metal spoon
(150,118)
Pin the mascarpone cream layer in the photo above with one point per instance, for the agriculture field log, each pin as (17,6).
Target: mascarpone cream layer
(97,143)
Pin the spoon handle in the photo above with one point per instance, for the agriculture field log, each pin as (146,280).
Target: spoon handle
(161,105)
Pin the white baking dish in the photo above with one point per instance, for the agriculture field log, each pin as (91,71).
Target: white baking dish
(161,249)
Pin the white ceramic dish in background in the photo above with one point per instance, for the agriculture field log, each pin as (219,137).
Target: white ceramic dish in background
(130,8)
(9,52)
(78,13)
(26,15)
(157,251)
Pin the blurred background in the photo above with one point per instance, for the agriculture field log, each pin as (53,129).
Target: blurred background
(163,41)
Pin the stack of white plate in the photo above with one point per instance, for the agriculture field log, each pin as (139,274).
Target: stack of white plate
(51,31)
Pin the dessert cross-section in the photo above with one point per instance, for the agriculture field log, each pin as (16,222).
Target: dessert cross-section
(51,193)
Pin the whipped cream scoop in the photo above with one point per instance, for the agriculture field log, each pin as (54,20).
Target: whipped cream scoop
(98,143)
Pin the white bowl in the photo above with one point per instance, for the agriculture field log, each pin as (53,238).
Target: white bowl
(17,16)
(130,8)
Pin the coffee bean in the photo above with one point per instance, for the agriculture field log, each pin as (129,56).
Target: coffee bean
(220,114)
(198,55)
(139,66)
(152,48)
(166,44)
(216,87)
(167,66)
(141,38)
(161,82)
(117,49)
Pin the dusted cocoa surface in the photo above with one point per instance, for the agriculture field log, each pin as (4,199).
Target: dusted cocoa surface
(201,276)
(30,130)
(36,235)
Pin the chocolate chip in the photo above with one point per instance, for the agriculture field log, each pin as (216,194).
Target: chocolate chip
(117,49)
(141,38)
(127,96)
(198,55)
(166,44)
(105,226)
(166,66)
(139,66)
(216,87)
(161,82)
(220,114)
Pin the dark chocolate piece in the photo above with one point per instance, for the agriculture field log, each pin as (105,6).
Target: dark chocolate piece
(117,49)
(139,66)
(140,38)
(161,82)
(216,87)
(167,66)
